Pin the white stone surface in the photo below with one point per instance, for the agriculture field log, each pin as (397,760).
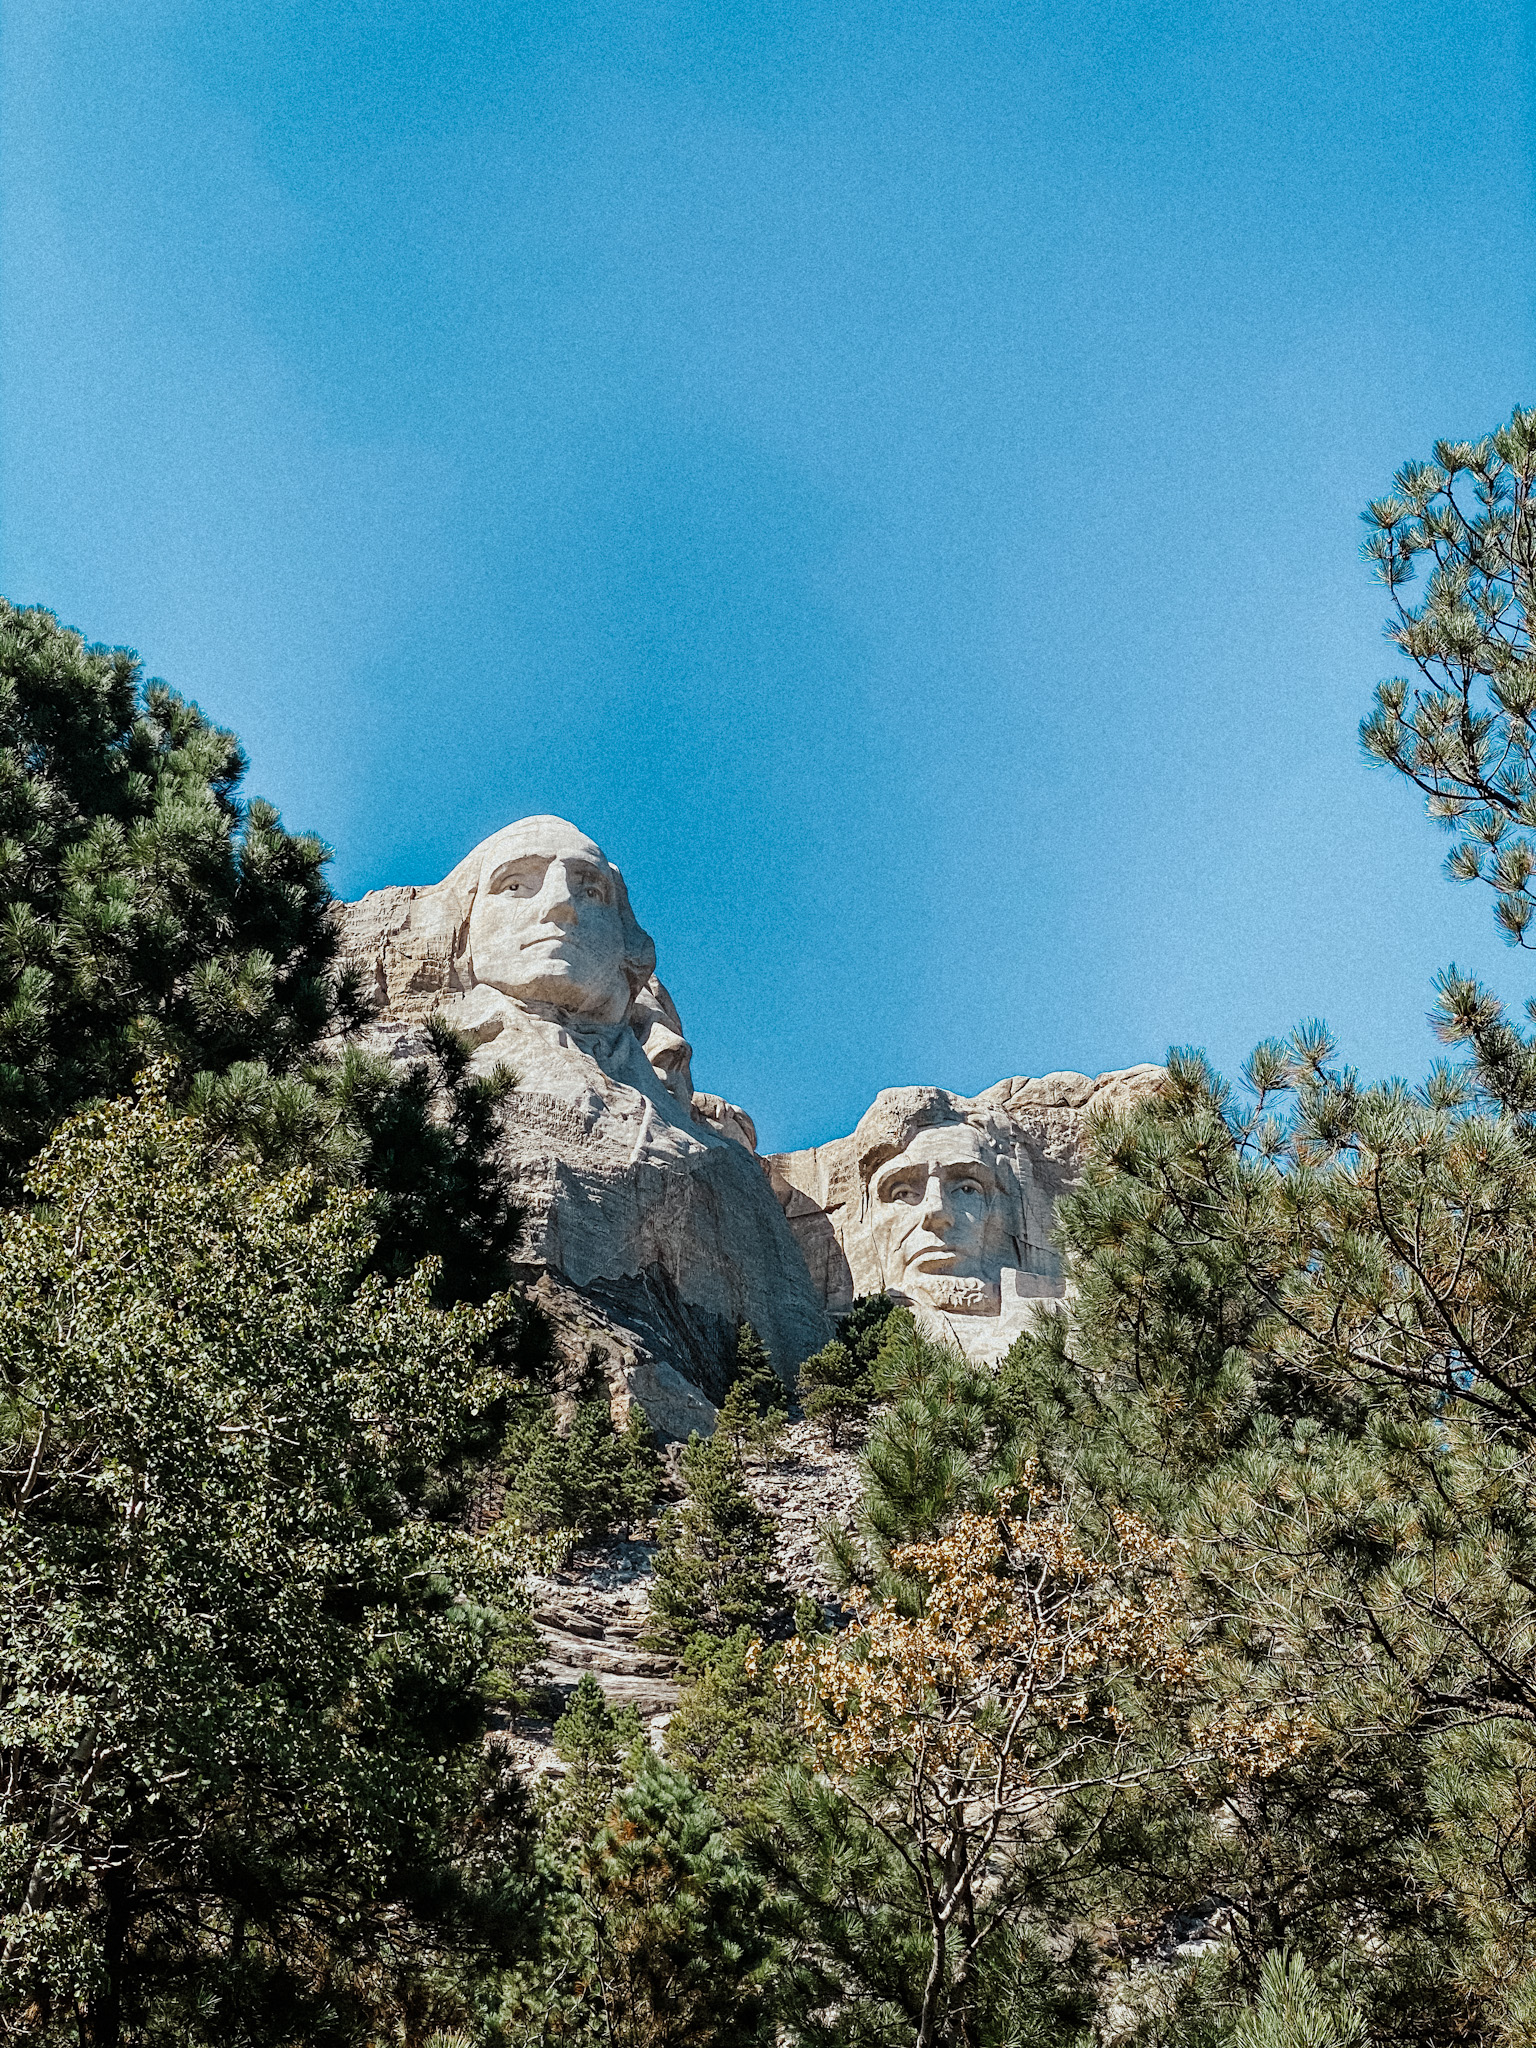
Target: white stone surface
(946,1201)
(656,1206)
(650,1199)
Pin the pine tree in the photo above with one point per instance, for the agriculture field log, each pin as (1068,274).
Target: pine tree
(733,1728)
(754,1410)
(591,1479)
(1292,2012)
(586,1732)
(1463,733)
(837,1384)
(714,1556)
(420,1137)
(682,1948)
(143,905)
(146,908)
(593,1742)
(833,1389)
(941,1447)
(661,1938)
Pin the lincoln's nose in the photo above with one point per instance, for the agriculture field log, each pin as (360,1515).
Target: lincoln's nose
(934,1210)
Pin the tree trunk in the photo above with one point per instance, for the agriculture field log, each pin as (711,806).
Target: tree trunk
(933,1990)
(107,2009)
(963,2001)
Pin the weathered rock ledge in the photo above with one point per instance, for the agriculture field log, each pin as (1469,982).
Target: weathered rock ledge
(592,1614)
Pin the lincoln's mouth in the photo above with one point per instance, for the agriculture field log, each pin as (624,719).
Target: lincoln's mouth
(937,1259)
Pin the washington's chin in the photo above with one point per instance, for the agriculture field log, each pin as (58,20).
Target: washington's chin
(563,989)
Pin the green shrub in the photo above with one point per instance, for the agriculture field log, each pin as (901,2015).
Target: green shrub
(837,1384)
(592,1479)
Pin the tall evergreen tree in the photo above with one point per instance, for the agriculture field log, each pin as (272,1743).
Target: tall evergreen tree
(419,1136)
(143,905)
(837,1384)
(146,908)
(755,1408)
(661,1936)
(714,1556)
(1463,731)
(1302,1336)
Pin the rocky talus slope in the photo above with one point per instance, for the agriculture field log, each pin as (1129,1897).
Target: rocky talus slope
(592,1613)
(806,1489)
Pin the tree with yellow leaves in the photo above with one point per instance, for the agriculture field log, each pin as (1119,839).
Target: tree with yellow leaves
(989,1683)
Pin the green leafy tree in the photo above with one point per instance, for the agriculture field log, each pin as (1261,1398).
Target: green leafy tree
(244,1669)
(714,1556)
(953,1724)
(143,904)
(837,1384)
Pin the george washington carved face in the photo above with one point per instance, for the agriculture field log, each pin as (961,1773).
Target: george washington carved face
(551,923)
(940,1218)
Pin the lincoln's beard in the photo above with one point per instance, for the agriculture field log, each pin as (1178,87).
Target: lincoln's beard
(956,1297)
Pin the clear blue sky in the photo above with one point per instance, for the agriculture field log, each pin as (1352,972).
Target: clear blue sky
(889,473)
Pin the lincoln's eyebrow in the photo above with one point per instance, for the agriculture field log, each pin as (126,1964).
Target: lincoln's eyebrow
(893,1176)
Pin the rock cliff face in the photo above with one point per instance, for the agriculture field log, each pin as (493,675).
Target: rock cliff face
(646,1207)
(947,1201)
(645,1199)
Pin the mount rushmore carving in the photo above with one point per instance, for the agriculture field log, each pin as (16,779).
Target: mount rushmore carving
(946,1201)
(649,1200)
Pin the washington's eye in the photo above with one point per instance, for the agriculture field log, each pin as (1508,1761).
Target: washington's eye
(594,894)
(904,1193)
(969,1187)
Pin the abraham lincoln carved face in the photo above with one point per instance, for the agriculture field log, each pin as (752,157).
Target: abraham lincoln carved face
(939,1216)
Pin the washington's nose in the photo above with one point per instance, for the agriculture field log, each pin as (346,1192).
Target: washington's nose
(555,905)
